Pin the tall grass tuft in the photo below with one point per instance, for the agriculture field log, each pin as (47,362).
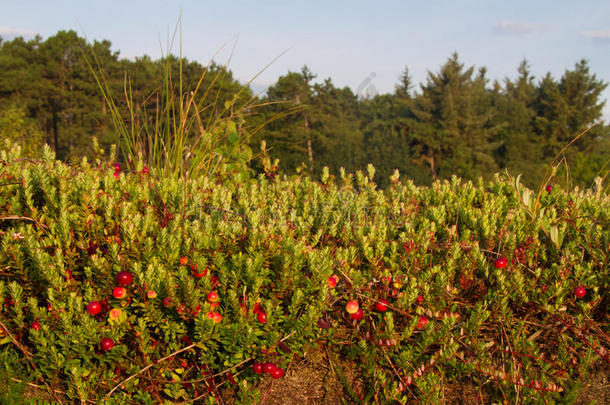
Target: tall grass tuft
(179,140)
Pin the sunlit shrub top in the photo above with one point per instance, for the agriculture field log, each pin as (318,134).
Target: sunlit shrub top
(271,245)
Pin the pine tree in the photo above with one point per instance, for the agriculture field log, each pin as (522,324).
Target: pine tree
(454,126)
(335,128)
(288,133)
(405,83)
(568,107)
(522,147)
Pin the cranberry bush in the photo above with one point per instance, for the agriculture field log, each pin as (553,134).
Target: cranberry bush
(120,287)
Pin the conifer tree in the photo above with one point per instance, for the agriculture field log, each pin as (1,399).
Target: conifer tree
(454,122)
(522,147)
(288,133)
(404,86)
(568,107)
(335,128)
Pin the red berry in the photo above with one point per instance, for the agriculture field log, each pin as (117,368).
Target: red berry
(548,188)
(356,316)
(500,263)
(117,167)
(183,260)
(116,175)
(261,316)
(213,296)
(145,170)
(167,302)
(422,322)
(115,313)
(124,278)
(119,293)
(107,344)
(257,368)
(381,305)
(277,373)
(419,299)
(269,367)
(94,308)
(351,307)
(35,325)
(332,281)
(217,318)
(580,291)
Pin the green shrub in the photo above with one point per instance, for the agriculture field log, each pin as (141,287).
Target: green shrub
(17,127)
(270,246)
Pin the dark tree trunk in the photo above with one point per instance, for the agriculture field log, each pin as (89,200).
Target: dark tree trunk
(55,126)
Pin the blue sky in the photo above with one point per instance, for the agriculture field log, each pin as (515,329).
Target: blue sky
(352,42)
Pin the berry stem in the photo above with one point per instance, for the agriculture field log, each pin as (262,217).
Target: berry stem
(116,387)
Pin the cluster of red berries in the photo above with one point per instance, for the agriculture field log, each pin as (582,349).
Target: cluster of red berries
(117,170)
(355,312)
(123,279)
(214,301)
(269,368)
(353,309)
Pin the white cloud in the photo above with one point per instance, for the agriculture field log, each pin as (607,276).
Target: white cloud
(10,33)
(598,35)
(512,27)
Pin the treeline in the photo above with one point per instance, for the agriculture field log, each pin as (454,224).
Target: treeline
(49,94)
(457,122)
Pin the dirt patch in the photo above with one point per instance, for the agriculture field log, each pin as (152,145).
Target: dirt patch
(596,389)
(466,393)
(311,380)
